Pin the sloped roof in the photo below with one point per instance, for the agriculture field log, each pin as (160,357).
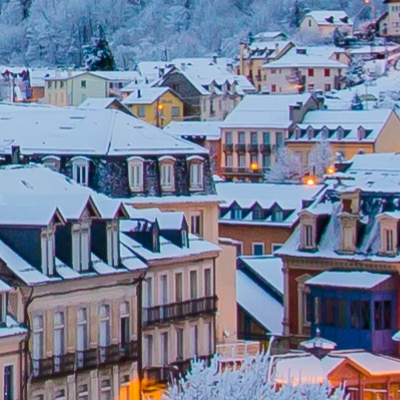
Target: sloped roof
(210,129)
(147,95)
(99,103)
(321,15)
(77,131)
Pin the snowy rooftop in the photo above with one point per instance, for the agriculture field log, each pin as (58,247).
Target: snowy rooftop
(318,342)
(372,121)
(67,130)
(321,15)
(146,95)
(97,103)
(266,48)
(288,197)
(264,111)
(268,35)
(348,279)
(12,328)
(166,220)
(118,75)
(314,57)
(264,308)
(210,129)
(268,268)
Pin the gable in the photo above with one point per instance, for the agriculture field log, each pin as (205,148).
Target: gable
(345,371)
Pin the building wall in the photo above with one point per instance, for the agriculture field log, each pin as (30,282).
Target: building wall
(221,105)
(319,81)
(394,19)
(249,234)
(388,140)
(323,30)
(160,118)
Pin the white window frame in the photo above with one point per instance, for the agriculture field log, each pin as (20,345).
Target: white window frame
(211,282)
(124,308)
(113,243)
(104,329)
(83,392)
(164,291)
(82,333)
(164,347)
(135,173)
(175,112)
(81,246)
(197,284)
(196,173)
(52,162)
(14,377)
(257,244)
(59,333)
(308,236)
(38,333)
(275,245)
(149,355)
(193,224)
(80,170)
(167,179)
(48,250)
(105,388)
(180,330)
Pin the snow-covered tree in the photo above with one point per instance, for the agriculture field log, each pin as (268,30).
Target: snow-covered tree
(287,168)
(320,158)
(98,56)
(250,382)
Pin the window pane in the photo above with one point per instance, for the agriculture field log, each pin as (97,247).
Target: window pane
(378,315)
(387,315)
(178,287)
(355,314)
(193,284)
(365,315)
(342,313)
(207,282)
(329,311)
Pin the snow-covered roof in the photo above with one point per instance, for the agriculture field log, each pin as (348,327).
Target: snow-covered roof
(264,111)
(308,57)
(348,279)
(118,75)
(288,197)
(372,121)
(146,95)
(66,130)
(321,15)
(264,308)
(318,342)
(210,129)
(157,200)
(11,328)
(166,219)
(268,35)
(266,48)
(99,103)
(4,287)
(268,268)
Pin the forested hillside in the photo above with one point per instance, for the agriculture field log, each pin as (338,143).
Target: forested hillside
(52,32)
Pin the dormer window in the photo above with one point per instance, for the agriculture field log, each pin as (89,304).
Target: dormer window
(185,241)
(4,289)
(324,133)
(48,251)
(80,170)
(389,234)
(389,242)
(196,173)
(277,216)
(52,162)
(81,246)
(236,213)
(361,134)
(258,214)
(113,243)
(297,132)
(310,132)
(135,173)
(339,133)
(308,236)
(167,165)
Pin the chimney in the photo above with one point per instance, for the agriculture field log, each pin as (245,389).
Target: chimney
(139,93)
(160,72)
(69,72)
(276,48)
(15,154)
(215,58)
(183,66)
(301,50)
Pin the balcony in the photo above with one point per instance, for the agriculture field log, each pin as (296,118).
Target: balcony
(242,171)
(240,148)
(228,147)
(175,311)
(265,148)
(67,364)
(252,148)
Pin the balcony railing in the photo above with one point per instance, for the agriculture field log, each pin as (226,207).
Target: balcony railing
(228,147)
(87,359)
(169,312)
(243,171)
(240,147)
(252,148)
(265,148)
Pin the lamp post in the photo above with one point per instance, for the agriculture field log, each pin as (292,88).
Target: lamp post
(159,109)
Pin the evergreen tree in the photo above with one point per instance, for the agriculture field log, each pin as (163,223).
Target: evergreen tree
(98,55)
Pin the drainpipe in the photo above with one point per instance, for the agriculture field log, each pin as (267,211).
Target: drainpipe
(28,302)
(139,290)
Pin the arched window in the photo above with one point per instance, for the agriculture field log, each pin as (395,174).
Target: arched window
(80,170)
(361,133)
(196,173)
(135,173)
(310,132)
(52,162)
(324,133)
(340,133)
(167,167)
(297,132)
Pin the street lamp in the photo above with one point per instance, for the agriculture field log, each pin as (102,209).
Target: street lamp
(330,170)
(310,181)
(159,109)
(254,166)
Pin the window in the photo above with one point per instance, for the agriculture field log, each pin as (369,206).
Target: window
(60,394)
(308,236)
(310,72)
(124,324)
(327,72)
(329,311)
(193,285)
(105,389)
(307,307)
(163,289)
(37,343)
(241,160)
(83,393)
(81,246)
(228,137)
(164,349)
(253,138)
(208,335)
(258,215)
(55,85)
(141,111)
(52,163)
(83,84)
(81,335)
(194,341)
(342,313)
(204,105)
(241,137)
(196,175)
(167,173)
(310,86)
(80,170)
(327,87)
(279,139)
(383,315)
(135,173)
(8,380)
(48,250)
(148,340)
(360,317)
(267,138)
(258,249)
(59,339)
(277,216)
(236,213)
(254,159)
(266,161)
(176,112)
(61,84)
(178,287)
(207,283)
(179,344)
(389,243)
(309,23)
(196,224)
(276,247)
(105,338)
(149,291)
(273,71)
(113,243)
(49,84)
(273,88)
(228,160)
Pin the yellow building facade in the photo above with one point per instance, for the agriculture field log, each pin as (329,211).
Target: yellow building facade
(157,106)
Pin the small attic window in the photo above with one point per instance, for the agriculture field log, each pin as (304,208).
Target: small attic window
(307,236)
(196,180)
(277,216)
(339,133)
(52,162)
(361,134)
(236,213)
(80,170)
(324,133)
(135,173)
(310,132)
(258,214)
(297,132)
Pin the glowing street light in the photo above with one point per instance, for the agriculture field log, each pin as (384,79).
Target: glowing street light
(330,170)
(254,166)
(310,181)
